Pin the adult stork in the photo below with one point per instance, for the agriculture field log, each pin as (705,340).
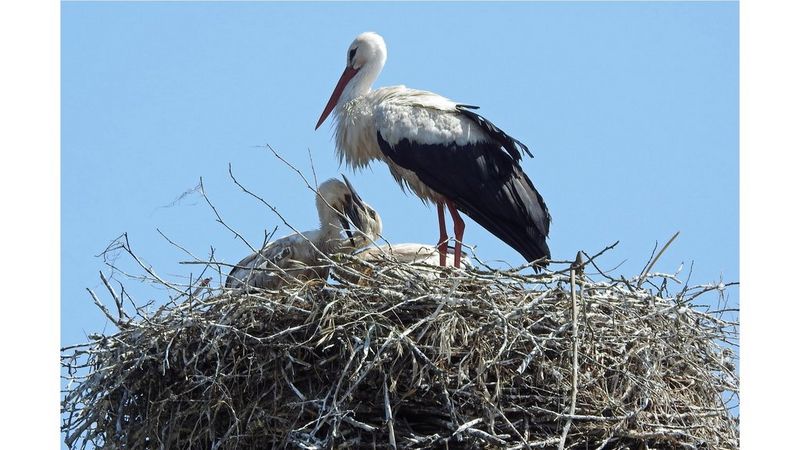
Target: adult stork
(302,256)
(441,150)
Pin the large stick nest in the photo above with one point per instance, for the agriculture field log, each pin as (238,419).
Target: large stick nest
(412,357)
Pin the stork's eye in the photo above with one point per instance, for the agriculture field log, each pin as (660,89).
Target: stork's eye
(372,214)
(351,55)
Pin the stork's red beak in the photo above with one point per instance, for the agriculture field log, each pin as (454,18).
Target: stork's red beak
(348,74)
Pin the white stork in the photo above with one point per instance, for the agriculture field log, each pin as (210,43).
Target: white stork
(442,150)
(301,256)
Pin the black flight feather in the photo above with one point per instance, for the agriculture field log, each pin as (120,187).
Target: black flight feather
(484,182)
(511,145)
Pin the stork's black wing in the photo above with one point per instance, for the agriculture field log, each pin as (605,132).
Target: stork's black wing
(485,182)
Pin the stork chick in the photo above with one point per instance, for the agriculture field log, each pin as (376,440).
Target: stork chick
(303,256)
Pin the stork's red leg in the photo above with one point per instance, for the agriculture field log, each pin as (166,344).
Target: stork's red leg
(443,238)
(458,229)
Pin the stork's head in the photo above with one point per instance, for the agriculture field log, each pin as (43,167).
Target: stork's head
(365,59)
(338,202)
(367,48)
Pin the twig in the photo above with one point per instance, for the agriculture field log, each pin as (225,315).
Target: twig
(219,218)
(117,300)
(653,262)
(388,414)
(577,266)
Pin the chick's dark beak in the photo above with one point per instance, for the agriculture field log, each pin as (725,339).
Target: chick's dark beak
(346,226)
(354,207)
(356,198)
(355,212)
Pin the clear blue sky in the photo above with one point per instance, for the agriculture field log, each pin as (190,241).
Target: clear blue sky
(631,110)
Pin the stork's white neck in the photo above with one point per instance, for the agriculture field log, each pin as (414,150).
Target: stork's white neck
(362,82)
(355,135)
